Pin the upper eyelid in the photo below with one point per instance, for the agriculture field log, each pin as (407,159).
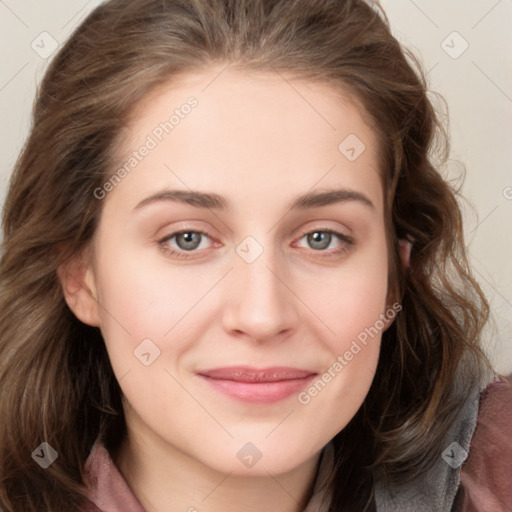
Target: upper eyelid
(322,228)
(302,232)
(181,231)
(343,237)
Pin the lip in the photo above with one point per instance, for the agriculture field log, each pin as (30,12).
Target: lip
(257,385)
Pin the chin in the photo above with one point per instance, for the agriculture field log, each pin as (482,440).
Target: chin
(258,458)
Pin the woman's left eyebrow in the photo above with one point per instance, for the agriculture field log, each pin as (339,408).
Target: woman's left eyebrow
(331,196)
(214,201)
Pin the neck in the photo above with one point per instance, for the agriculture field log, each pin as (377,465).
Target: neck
(168,480)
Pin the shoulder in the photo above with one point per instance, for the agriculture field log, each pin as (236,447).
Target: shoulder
(486,476)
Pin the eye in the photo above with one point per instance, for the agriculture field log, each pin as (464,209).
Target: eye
(185,241)
(321,239)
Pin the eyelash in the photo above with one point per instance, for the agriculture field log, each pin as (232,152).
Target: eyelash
(347,242)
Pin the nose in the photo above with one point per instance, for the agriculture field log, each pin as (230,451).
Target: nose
(261,305)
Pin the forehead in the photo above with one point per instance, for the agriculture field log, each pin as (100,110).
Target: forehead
(261,130)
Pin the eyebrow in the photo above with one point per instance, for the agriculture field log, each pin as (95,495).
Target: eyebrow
(214,201)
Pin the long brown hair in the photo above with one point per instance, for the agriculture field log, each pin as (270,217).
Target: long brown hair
(56,382)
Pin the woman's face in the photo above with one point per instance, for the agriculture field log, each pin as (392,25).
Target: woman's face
(249,340)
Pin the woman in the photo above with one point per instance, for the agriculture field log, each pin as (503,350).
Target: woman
(233,278)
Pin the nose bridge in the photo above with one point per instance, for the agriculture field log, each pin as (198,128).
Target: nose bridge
(260,304)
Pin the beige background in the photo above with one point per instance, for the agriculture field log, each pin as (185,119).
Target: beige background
(464,45)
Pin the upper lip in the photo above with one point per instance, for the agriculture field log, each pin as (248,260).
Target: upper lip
(250,374)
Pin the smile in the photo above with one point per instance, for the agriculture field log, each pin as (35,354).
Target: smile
(253,385)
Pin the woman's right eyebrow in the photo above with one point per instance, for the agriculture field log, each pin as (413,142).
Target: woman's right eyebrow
(192,197)
(210,200)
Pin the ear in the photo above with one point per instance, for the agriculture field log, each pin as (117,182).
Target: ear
(404,248)
(78,284)
(404,251)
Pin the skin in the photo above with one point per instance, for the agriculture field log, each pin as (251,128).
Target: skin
(260,143)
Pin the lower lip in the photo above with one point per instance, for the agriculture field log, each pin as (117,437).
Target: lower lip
(259,392)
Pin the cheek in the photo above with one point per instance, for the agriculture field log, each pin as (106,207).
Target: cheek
(352,303)
(141,300)
(354,310)
(350,298)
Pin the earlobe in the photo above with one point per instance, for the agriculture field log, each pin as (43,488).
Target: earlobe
(79,287)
